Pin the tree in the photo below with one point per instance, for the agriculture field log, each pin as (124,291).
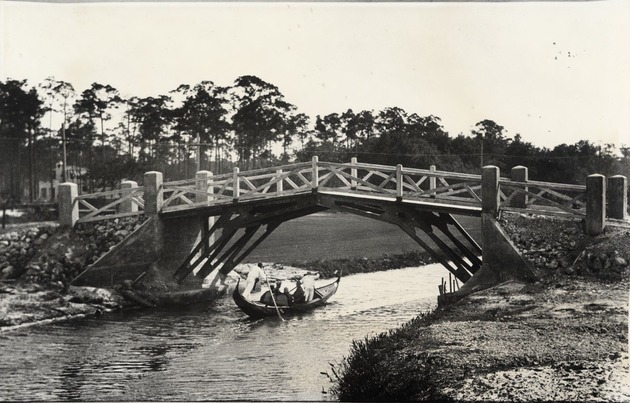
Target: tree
(202,116)
(21,111)
(152,116)
(297,126)
(328,128)
(97,102)
(492,141)
(261,115)
(59,93)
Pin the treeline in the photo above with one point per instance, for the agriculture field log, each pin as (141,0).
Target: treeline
(109,137)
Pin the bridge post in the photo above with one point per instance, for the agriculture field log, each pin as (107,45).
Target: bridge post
(279,187)
(399,182)
(595,204)
(490,191)
(68,206)
(128,206)
(353,173)
(201,185)
(617,197)
(236,185)
(519,174)
(315,168)
(201,181)
(152,193)
(432,181)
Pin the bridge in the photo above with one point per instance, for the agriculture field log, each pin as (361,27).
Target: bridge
(213,222)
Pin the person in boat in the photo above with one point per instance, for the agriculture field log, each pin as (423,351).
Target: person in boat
(266,297)
(254,276)
(298,294)
(284,298)
(308,283)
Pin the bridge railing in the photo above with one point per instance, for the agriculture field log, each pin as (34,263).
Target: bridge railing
(400,182)
(124,202)
(517,193)
(208,189)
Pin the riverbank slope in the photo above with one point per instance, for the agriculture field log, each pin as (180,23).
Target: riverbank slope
(562,338)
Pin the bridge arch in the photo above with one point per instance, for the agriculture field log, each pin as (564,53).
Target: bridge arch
(212,222)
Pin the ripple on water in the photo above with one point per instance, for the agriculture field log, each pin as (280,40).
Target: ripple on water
(208,352)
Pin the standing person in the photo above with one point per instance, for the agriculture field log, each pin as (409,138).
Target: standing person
(254,276)
(308,283)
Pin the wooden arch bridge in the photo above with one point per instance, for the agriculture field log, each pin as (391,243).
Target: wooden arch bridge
(214,221)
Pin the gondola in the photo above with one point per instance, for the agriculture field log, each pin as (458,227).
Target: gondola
(255,309)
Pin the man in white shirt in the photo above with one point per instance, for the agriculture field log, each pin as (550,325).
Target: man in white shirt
(256,274)
(308,283)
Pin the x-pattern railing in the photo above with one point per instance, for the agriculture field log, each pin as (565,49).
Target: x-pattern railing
(315,176)
(544,197)
(131,198)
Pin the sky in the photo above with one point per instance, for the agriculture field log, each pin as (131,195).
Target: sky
(554,72)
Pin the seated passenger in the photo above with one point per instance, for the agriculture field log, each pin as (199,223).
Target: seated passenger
(298,294)
(284,298)
(266,297)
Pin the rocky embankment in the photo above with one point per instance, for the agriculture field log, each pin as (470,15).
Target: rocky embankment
(37,264)
(562,338)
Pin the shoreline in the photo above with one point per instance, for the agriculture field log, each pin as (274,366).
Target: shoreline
(563,337)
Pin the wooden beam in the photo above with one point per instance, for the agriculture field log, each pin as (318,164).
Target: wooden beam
(462,275)
(209,266)
(184,268)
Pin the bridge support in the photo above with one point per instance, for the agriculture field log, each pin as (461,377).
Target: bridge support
(434,232)
(68,206)
(595,204)
(501,259)
(238,226)
(617,197)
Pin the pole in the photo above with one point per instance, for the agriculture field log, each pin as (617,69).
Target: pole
(63,140)
(271,292)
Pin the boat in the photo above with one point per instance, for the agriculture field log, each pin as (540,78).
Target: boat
(256,310)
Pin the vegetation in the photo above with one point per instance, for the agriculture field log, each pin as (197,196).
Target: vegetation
(327,268)
(514,341)
(109,137)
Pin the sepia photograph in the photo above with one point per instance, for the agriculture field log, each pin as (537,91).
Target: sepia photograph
(314,201)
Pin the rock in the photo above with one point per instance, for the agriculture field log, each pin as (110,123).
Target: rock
(595,265)
(121,233)
(569,270)
(7,273)
(619,261)
(553,265)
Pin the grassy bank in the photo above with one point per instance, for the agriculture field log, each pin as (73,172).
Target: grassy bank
(564,337)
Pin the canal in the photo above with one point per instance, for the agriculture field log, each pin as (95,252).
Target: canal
(209,352)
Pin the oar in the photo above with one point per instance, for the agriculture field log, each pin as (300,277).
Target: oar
(271,292)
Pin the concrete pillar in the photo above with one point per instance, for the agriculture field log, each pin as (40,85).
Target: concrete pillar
(236,185)
(432,181)
(127,206)
(68,205)
(399,182)
(201,185)
(617,197)
(353,173)
(490,200)
(315,169)
(279,187)
(519,174)
(595,204)
(202,181)
(152,193)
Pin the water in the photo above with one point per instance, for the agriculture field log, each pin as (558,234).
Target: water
(211,352)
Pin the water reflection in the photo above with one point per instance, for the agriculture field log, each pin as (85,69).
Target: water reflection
(208,352)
